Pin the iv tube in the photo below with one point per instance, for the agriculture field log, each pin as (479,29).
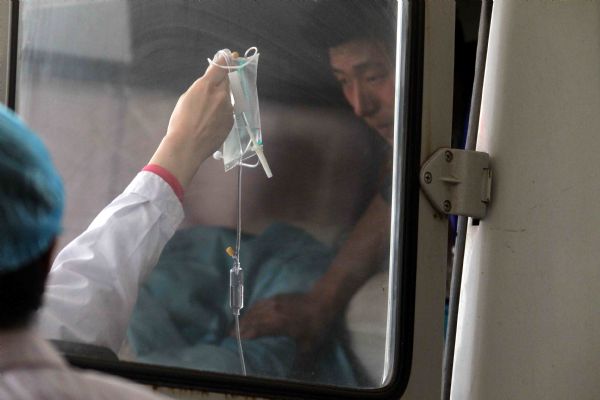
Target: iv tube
(236,276)
(239,215)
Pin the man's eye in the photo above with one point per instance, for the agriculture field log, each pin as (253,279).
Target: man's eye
(375,78)
(342,82)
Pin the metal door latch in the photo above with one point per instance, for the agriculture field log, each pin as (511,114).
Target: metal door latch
(458,182)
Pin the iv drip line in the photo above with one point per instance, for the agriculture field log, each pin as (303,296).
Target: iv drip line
(237,273)
(239,215)
(239,342)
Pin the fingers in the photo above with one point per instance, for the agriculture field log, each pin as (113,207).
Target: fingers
(216,74)
(199,123)
(263,320)
(262,327)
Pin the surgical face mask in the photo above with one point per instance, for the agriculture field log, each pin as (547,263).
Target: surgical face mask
(245,139)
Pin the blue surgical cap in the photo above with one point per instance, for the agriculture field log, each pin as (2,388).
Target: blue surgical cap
(31,194)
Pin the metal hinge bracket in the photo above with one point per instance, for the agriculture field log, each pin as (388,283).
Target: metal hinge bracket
(458,182)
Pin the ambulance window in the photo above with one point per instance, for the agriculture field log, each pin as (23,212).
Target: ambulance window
(322,239)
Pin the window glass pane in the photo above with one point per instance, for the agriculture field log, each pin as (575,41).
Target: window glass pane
(98,80)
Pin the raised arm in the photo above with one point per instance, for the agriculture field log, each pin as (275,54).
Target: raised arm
(94,280)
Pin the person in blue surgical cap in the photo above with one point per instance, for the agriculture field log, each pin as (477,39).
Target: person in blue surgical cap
(89,291)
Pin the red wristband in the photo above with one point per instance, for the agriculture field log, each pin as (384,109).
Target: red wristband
(167,177)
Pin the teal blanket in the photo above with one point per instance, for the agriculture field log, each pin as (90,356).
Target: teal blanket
(182,317)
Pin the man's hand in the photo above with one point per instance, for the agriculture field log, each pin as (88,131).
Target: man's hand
(301,316)
(308,317)
(200,122)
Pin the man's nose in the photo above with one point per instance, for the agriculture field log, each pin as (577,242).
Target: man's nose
(363,101)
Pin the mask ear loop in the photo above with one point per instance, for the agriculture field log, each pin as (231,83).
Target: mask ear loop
(251,165)
(227,55)
(249,59)
(254,51)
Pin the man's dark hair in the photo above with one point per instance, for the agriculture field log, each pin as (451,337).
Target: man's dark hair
(21,293)
(340,21)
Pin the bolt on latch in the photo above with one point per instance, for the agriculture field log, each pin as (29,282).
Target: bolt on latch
(458,182)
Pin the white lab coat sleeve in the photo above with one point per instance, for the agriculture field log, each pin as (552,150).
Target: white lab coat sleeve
(93,284)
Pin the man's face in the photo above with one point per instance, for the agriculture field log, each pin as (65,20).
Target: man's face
(366,75)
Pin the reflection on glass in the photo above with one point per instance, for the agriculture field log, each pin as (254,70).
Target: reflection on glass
(98,81)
